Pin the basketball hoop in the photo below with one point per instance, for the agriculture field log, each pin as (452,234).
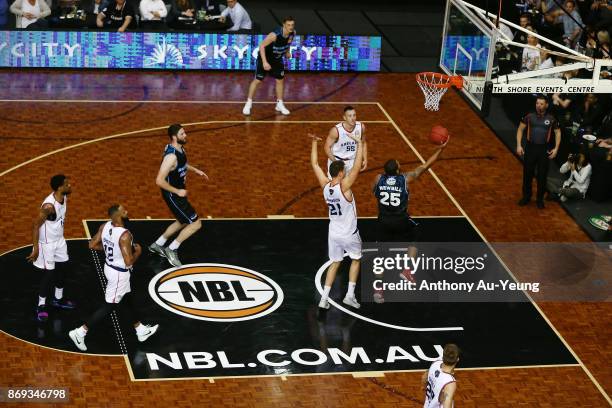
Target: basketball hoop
(435,85)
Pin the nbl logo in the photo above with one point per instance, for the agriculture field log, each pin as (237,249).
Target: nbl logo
(215,292)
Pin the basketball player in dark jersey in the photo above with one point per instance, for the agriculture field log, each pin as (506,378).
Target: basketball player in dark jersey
(270,61)
(171,180)
(392,193)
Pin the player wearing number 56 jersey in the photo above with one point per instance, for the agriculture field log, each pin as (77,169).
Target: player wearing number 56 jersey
(120,253)
(340,144)
(343,233)
(439,381)
(49,249)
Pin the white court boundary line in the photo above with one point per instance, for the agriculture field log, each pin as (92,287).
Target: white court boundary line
(367,319)
(454,201)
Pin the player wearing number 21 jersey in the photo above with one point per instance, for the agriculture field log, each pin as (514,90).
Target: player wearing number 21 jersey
(343,233)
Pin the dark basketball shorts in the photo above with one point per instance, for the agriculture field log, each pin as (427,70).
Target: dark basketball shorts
(277,71)
(180,207)
(398,228)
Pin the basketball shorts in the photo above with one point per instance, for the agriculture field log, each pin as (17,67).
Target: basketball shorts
(277,71)
(397,228)
(117,285)
(49,254)
(338,246)
(180,207)
(348,165)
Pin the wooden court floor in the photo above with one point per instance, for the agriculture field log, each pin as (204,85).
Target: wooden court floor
(108,134)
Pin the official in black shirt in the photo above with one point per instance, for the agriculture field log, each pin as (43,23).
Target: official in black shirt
(118,14)
(539,126)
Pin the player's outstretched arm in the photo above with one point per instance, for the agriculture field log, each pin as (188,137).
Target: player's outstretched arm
(332,137)
(40,219)
(424,167)
(96,241)
(197,171)
(352,176)
(125,243)
(314,161)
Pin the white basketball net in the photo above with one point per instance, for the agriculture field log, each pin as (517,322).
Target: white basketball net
(430,85)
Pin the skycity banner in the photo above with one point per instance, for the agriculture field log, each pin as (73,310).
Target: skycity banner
(204,51)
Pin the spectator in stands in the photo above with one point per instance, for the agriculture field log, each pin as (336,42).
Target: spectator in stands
(524,22)
(562,107)
(211,7)
(589,112)
(605,143)
(603,37)
(531,56)
(94,7)
(240,17)
(3,13)
(152,11)
(180,8)
(601,14)
(30,13)
(572,23)
(117,15)
(577,184)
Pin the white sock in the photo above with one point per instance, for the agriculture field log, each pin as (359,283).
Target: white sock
(81,331)
(326,291)
(249,100)
(42,301)
(279,101)
(59,293)
(174,245)
(161,241)
(351,289)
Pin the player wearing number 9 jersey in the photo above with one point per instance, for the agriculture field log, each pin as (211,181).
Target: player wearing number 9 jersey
(343,233)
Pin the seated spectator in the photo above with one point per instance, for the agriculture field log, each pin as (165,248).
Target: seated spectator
(562,107)
(603,37)
(524,22)
(545,60)
(601,14)
(3,13)
(572,23)
(577,184)
(589,112)
(605,143)
(152,11)
(211,7)
(117,15)
(30,13)
(531,57)
(180,8)
(94,6)
(240,17)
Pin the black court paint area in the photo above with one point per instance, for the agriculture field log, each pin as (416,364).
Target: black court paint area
(255,312)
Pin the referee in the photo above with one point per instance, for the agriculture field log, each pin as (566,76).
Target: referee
(272,49)
(536,154)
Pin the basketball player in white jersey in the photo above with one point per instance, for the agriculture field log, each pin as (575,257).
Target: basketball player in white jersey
(439,381)
(340,144)
(49,249)
(343,233)
(120,254)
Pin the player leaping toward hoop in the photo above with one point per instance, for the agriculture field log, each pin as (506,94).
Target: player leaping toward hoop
(343,232)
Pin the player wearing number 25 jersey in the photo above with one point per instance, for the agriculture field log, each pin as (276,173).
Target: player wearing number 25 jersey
(392,193)
(343,233)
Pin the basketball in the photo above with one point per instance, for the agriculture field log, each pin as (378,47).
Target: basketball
(439,135)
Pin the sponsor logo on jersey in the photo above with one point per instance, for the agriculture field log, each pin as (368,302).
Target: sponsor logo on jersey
(331,191)
(391,181)
(547,122)
(215,292)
